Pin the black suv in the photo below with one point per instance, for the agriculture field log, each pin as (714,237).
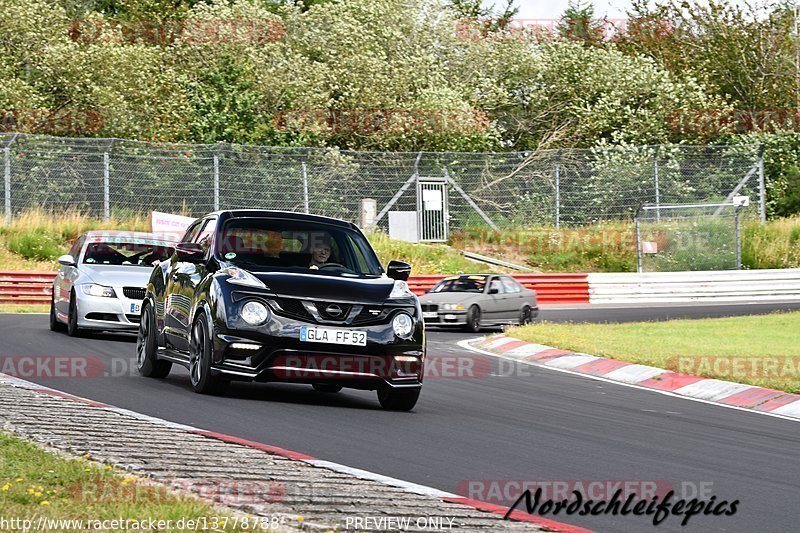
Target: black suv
(277,296)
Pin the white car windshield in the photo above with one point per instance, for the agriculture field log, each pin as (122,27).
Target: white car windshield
(133,252)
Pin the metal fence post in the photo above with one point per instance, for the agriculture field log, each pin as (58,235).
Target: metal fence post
(738,240)
(762,186)
(638,241)
(216,177)
(8,178)
(305,184)
(107,181)
(655,176)
(558,189)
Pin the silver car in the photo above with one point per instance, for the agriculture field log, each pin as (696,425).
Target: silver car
(101,282)
(473,301)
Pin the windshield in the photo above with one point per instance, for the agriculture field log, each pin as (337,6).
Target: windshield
(297,246)
(126,252)
(461,284)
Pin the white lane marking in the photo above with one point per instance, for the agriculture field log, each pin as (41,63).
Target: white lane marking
(712,389)
(386,480)
(634,373)
(791,417)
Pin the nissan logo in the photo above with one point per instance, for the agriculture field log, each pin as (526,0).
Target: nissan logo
(333,310)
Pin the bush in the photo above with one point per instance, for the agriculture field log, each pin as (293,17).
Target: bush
(36,246)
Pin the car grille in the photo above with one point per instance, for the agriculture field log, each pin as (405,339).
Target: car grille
(332,311)
(134,293)
(293,308)
(134,319)
(429,307)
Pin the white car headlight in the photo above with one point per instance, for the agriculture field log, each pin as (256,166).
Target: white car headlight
(92,289)
(254,313)
(453,307)
(402,325)
(240,276)
(400,290)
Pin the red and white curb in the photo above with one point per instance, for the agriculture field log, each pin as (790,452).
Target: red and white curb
(724,393)
(518,516)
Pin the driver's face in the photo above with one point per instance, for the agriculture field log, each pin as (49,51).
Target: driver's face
(321,253)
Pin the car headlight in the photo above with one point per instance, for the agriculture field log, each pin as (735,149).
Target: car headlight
(402,325)
(240,276)
(453,307)
(254,313)
(92,289)
(400,290)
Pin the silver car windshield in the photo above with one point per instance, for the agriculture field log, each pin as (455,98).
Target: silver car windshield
(134,252)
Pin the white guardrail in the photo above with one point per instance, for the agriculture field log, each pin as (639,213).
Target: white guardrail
(701,286)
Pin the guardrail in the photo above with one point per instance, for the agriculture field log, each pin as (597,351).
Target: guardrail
(35,287)
(550,288)
(25,287)
(615,288)
(687,287)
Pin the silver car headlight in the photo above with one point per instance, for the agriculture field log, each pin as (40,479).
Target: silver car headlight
(453,307)
(92,289)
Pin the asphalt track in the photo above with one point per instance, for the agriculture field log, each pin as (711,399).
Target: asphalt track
(506,423)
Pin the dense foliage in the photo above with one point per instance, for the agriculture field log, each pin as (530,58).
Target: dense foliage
(405,75)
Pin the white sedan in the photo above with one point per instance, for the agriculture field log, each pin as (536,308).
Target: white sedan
(101,282)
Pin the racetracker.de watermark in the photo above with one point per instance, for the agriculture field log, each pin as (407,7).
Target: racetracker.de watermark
(733,366)
(46,121)
(165,32)
(549,29)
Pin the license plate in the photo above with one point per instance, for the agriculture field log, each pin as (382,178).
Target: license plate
(429,314)
(333,336)
(136,309)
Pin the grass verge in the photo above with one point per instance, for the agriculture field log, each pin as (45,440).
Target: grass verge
(762,350)
(35,483)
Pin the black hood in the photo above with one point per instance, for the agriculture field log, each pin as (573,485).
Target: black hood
(328,287)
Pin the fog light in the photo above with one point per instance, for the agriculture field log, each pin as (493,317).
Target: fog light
(254,313)
(402,325)
(245,346)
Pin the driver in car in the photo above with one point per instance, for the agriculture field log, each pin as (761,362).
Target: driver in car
(320,253)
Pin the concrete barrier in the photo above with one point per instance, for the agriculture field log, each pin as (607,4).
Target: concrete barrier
(703,286)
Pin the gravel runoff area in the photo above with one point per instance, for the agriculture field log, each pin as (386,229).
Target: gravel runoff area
(303,496)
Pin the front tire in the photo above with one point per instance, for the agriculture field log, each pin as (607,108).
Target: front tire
(200,353)
(474,319)
(72,317)
(55,325)
(398,400)
(147,361)
(526,316)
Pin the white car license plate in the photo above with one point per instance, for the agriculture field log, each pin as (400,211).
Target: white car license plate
(429,314)
(135,309)
(333,336)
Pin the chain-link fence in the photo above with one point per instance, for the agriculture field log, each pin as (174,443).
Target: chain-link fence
(570,187)
(675,238)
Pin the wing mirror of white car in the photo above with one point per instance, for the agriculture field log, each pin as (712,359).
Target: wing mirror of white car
(67,260)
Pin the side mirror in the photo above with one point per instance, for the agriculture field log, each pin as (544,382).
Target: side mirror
(67,260)
(493,290)
(398,270)
(190,252)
